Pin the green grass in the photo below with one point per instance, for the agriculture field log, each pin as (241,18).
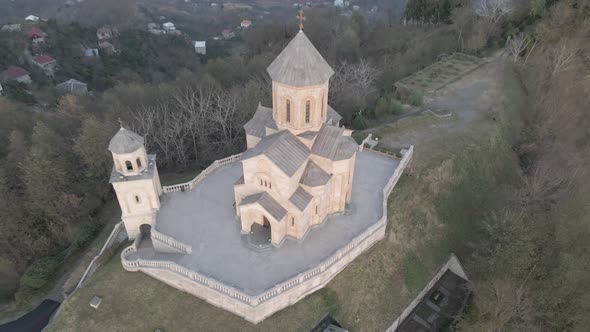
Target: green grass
(416,274)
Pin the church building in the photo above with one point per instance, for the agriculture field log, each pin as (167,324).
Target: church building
(299,165)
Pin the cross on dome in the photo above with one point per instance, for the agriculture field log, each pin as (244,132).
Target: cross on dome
(301,18)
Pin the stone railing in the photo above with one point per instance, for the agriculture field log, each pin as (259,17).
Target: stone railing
(109,242)
(172,242)
(134,265)
(192,183)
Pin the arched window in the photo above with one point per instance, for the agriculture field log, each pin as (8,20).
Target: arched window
(137,199)
(261,182)
(138,161)
(307,110)
(269,185)
(323,104)
(317,207)
(128,165)
(288,111)
(292,221)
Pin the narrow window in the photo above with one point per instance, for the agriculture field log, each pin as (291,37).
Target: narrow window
(128,165)
(307,111)
(288,110)
(138,161)
(261,182)
(137,200)
(270,185)
(316,209)
(323,104)
(292,221)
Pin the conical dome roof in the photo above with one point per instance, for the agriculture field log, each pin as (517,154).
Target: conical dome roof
(125,141)
(300,64)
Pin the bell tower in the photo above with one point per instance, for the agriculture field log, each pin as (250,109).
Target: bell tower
(300,78)
(135,180)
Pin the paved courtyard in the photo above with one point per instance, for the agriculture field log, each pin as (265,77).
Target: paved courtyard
(204,217)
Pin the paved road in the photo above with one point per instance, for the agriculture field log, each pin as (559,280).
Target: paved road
(35,320)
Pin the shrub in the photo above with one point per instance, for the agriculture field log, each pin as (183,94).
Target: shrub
(382,107)
(24,294)
(88,230)
(415,99)
(40,272)
(359,122)
(396,107)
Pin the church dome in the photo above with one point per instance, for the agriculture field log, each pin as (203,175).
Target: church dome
(300,64)
(125,141)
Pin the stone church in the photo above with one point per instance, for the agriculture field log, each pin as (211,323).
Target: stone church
(299,165)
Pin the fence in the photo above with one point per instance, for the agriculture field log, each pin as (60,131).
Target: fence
(137,264)
(192,183)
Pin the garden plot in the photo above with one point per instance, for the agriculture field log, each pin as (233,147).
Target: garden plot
(446,70)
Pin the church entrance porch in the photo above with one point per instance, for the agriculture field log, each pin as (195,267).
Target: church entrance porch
(259,237)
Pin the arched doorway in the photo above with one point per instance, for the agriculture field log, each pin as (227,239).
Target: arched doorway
(265,222)
(145,230)
(260,234)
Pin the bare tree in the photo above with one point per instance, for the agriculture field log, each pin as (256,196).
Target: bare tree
(517,44)
(494,10)
(360,76)
(562,55)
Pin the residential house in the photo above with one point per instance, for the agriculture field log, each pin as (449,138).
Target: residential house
(104,33)
(227,34)
(153,25)
(1,89)
(107,48)
(11,28)
(32,18)
(201,47)
(36,35)
(18,74)
(168,26)
(45,62)
(157,31)
(73,86)
(245,24)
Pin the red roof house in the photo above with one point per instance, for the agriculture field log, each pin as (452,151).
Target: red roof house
(43,60)
(35,33)
(16,74)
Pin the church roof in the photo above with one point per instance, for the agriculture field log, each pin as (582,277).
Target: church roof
(301,198)
(300,64)
(262,118)
(332,145)
(283,149)
(268,203)
(314,175)
(125,141)
(333,115)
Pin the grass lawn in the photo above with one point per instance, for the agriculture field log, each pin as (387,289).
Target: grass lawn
(434,210)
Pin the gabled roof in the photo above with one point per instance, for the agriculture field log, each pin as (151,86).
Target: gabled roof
(43,59)
(332,145)
(314,175)
(301,198)
(72,85)
(262,118)
(333,115)
(14,72)
(300,64)
(283,149)
(267,203)
(35,32)
(125,141)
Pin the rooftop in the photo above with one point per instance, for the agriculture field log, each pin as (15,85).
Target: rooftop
(283,149)
(204,217)
(43,59)
(125,141)
(300,64)
(14,72)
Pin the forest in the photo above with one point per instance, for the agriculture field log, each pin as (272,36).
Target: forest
(531,267)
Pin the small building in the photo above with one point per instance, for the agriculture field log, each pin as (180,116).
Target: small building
(11,28)
(32,18)
(1,88)
(104,33)
(328,324)
(157,31)
(152,25)
(174,32)
(36,35)
(439,303)
(245,24)
(168,26)
(73,86)
(339,3)
(91,52)
(107,48)
(201,47)
(227,33)
(45,62)
(15,73)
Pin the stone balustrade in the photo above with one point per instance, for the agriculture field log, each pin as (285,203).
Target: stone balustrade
(192,183)
(346,253)
(185,248)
